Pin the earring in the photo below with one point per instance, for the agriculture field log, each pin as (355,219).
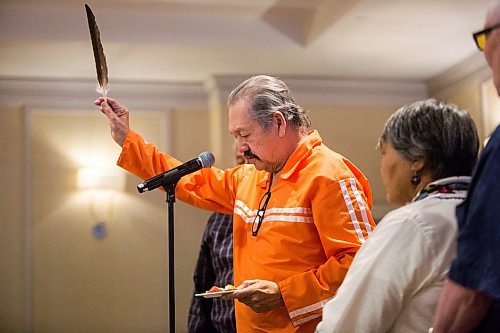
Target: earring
(415,180)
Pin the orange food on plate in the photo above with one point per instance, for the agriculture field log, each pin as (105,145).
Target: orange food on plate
(216,289)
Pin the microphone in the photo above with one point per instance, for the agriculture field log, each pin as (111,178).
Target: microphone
(204,160)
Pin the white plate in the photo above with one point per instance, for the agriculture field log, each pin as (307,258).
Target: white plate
(215,294)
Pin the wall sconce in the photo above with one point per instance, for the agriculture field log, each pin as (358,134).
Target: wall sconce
(100,185)
(100,179)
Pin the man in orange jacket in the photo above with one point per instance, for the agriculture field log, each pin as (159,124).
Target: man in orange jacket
(301,211)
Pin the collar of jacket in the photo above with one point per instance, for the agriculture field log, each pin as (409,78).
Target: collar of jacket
(303,151)
(312,140)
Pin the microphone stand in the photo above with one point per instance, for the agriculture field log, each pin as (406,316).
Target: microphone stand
(168,180)
(170,189)
(169,184)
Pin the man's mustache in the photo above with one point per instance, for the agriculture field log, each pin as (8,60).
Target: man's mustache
(248,154)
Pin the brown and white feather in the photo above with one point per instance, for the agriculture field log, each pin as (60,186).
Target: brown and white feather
(100,58)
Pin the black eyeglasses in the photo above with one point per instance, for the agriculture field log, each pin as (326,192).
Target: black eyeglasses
(257,221)
(480,36)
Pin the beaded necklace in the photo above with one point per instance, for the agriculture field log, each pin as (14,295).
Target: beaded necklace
(441,188)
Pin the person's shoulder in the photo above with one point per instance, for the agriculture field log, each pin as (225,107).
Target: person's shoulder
(322,153)
(246,173)
(432,207)
(399,215)
(245,170)
(414,213)
(402,225)
(326,163)
(495,136)
(492,148)
(431,218)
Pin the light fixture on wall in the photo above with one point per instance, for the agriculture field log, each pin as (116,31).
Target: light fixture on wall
(101,185)
(100,179)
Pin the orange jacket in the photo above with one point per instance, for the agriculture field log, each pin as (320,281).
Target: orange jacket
(318,216)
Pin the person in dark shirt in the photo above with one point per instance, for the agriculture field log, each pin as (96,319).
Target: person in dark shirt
(214,267)
(470,299)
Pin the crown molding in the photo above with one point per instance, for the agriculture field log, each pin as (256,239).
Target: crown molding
(160,96)
(472,68)
(79,94)
(332,91)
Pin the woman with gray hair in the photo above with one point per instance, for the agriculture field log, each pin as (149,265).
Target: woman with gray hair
(428,150)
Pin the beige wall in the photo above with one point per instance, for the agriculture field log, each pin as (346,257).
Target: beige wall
(80,284)
(466,94)
(466,85)
(12,227)
(491,117)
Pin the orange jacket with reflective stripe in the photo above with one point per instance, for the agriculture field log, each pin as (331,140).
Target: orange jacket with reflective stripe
(318,216)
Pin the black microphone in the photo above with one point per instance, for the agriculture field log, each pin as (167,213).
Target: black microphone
(204,160)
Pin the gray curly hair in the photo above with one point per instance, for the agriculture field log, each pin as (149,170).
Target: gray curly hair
(268,95)
(439,133)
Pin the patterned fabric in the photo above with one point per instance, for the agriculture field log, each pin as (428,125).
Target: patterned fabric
(214,267)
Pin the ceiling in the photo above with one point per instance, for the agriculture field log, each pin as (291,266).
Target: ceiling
(193,40)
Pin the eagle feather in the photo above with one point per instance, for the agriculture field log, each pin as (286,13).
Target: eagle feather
(100,58)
